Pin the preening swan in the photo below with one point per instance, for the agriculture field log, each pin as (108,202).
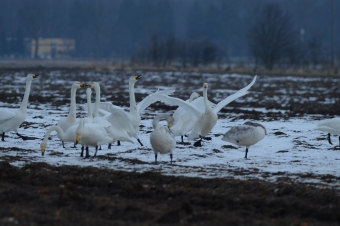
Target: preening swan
(11,119)
(184,121)
(66,122)
(330,126)
(120,116)
(206,119)
(161,139)
(91,134)
(68,136)
(245,135)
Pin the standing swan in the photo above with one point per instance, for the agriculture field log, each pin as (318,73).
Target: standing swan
(245,135)
(11,119)
(161,139)
(184,121)
(66,122)
(206,119)
(119,115)
(91,134)
(330,126)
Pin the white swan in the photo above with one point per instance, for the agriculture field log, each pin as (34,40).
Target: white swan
(117,133)
(245,135)
(66,122)
(161,139)
(330,126)
(91,134)
(129,121)
(206,119)
(11,119)
(68,136)
(184,121)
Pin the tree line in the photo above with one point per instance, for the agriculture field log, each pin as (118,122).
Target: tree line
(164,32)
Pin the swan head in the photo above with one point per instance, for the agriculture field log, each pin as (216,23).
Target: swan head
(193,96)
(32,76)
(205,85)
(93,85)
(135,78)
(77,85)
(43,148)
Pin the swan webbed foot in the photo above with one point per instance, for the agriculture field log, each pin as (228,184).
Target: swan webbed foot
(109,146)
(118,143)
(198,143)
(21,136)
(246,153)
(3,136)
(140,142)
(329,138)
(207,138)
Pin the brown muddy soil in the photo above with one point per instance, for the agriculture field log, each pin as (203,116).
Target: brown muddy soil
(41,194)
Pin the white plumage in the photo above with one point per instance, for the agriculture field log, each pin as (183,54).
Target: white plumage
(161,139)
(11,119)
(70,119)
(245,135)
(206,119)
(330,126)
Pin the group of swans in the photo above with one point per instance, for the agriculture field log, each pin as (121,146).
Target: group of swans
(11,119)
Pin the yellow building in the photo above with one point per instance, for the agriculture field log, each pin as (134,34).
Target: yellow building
(53,47)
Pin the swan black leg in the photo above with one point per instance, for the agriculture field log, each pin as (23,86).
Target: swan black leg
(140,142)
(182,139)
(100,148)
(329,138)
(63,144)
(3,136)
(82,151)
(171,158)
(87,153)
(156,159)
(21,136)
(339,140)
(109,146)
(95,154)
(118,143)
(74,145)
(246,153)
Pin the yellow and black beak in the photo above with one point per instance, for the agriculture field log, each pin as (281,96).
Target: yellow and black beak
(81,84)
(205,85)
(77,139)
(42,151)
(89,85)
(34,75)
(137,77)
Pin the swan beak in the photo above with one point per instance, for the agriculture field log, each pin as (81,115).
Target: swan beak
(170,125)
(137,77)
(34,75)
(205,85)
(89,85)
(42,151)
(77,139)
(198,95)
(81,84)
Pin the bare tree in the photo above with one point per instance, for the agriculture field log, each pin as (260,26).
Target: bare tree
(272,37)
(314,45)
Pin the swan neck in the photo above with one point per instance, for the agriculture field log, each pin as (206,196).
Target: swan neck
(72,112)
(205,98)
(23,106)
(159,117)
(96,106)
(89,107)
(60,132)
(133,106)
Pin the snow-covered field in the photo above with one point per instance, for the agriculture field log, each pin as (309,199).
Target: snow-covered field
(289,107)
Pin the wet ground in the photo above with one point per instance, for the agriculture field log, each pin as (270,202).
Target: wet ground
(42,194)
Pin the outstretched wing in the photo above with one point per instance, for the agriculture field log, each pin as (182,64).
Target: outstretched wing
(147,101)
(234,96)
(177,102)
